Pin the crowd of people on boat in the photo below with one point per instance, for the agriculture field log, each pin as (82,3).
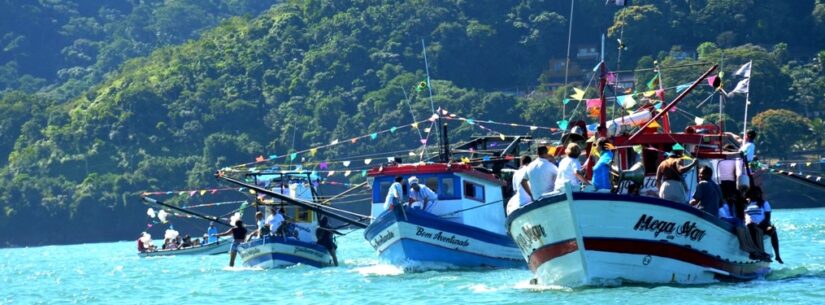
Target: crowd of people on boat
(732,199)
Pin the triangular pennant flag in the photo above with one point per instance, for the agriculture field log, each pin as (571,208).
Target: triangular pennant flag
(485,158)
(334,142)
(808,164)
(363,173)
(433,117)
(392,129)
(744,70)
(565,101)
(353,140)
(501,136)
(534,127)
(292,156)
(346,173)
(627,101)
(660,94)
(638,149)
(313,151)
(682,87)
(411,153)
(367,161)
(579,95)
(427,130)
(593,102)
(699,121)
(346,163)
(470,121)
(563,124)
(181,193)
(260,159)
(330,173)
(203,192)
(214,191)
(273,157)
(423,141)
(323,165)
(654,124)
(374,135)
(653,82)
(251,191)
(465,160)
(649,93)
(414,125)
(192,193)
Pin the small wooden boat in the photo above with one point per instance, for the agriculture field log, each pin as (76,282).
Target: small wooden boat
(219,247)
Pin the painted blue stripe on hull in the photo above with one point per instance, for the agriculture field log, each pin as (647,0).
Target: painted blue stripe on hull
(282,240)
(405,251)
(282,257)
(424,219)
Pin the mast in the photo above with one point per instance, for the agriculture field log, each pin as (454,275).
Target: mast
(185,211)
(567,63)
(602,102)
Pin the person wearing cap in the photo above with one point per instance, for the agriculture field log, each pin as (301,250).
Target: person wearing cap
(541,174)
(669,176)
(421,196)
(601,170)
(394,194)
(569,168)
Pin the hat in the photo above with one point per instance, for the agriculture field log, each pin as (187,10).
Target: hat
(413,180)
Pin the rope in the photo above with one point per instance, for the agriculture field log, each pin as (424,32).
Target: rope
(467,209)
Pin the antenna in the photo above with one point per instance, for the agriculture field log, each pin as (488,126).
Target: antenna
(444,155)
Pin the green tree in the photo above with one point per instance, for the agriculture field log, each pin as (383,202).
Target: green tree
(780,131)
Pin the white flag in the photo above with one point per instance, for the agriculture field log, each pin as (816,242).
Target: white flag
(742,86)
(745,70)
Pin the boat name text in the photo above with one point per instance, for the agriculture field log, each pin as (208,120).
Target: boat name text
(687,230)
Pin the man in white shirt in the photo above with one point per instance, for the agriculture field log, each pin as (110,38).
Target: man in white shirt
(520,184)
(421,196)
(394,193)
(275,220)
(541,174)
(569,168)
(748,148)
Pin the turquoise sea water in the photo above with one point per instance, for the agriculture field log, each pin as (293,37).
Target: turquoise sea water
(111,273)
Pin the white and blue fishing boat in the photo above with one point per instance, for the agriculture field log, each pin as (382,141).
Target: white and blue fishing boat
(464,228)
(219,247)
(294,191)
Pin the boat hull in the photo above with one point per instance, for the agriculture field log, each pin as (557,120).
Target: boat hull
(278,252)
(413,239)
(219,247)
(583,239)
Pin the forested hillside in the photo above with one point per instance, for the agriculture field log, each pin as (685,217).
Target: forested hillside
(304,73)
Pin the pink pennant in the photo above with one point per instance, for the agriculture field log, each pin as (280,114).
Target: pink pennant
(611,78)
(660,94)
(149,225)
(423,141)
(593,103)
(323,165)
(711,79)
(214,191)
(192,193)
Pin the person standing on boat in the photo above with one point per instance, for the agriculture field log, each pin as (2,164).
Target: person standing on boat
(708,195)
(421,196)
(275,221)
(728,170)
(520,187)
(394,194)
(239,235)
(212,232)
(601,170)
(569,168)
(262,229)
(758,218)
(541,174)
(325,237)
(669,176)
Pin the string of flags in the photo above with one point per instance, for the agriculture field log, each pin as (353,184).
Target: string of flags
(191,193)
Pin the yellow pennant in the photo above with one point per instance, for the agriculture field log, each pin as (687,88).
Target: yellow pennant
(579,95)
(415,125)
(313,151)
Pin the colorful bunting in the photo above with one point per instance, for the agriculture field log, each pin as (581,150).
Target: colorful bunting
(626,101)
(682,87)
(346,163)
(423,141)
(565,101)
(393,129)
(579,95)
(323,165)
(260,158)
(292,156)
(313,151)
(501,136)
(653,82)
(363,173)
(563,124)
(367,161)
(330,173)
(374,135)
(346,173)
(593,102)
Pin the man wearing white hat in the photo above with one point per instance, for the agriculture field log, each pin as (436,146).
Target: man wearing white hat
(421,196)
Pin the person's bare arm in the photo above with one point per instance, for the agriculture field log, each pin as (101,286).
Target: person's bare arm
(227,233)
(526,186)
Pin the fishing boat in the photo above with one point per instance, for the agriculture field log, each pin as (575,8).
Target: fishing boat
(575,238)
(219,247)
(297,244)
(464,228)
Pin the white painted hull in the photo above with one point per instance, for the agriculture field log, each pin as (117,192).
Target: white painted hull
(220,247)
(278,252)
(578,239)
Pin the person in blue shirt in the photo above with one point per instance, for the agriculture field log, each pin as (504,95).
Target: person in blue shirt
(212,232)
(601,171)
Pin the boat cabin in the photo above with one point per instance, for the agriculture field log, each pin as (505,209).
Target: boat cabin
(466,195)
(295,184)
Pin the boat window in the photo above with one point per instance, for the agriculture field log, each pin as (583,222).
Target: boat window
(650,159)
(473,191)
(381,191)
(449,189)
(431,182)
